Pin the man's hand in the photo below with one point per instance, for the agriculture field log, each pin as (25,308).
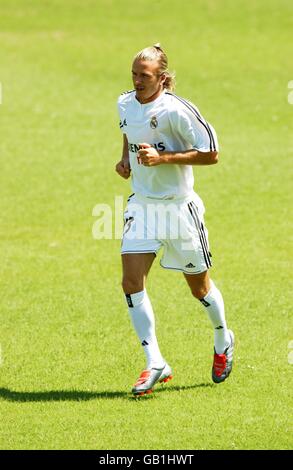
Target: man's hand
(123,168)
(148,155)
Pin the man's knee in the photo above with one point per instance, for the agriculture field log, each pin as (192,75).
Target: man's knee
(199,292)
(131,286)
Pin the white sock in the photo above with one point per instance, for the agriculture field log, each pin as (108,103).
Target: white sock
(214,305)
(143,320)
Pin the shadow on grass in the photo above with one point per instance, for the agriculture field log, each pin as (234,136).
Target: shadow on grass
(80,395)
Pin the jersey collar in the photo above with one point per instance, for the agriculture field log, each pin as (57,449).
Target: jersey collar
(152,102)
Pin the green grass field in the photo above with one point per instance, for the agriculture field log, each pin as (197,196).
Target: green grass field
(69,354)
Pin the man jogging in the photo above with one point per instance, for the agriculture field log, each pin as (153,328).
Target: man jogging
(163,136)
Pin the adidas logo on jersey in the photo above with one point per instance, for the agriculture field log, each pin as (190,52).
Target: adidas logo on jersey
(123,124)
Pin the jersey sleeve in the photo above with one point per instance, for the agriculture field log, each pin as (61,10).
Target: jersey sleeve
(193,128)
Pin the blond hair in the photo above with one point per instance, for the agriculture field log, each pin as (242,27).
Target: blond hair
(155,52)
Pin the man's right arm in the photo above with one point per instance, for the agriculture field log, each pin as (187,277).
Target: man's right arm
(123,167)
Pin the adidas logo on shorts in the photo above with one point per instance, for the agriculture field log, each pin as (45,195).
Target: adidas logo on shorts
(190,265)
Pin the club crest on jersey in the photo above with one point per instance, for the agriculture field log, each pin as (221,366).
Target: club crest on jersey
(154,122)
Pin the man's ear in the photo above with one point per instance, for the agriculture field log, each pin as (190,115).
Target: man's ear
(163,77)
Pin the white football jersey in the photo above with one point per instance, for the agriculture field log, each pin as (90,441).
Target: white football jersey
(168,123)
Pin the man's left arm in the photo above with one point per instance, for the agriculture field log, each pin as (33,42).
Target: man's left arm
(149,156)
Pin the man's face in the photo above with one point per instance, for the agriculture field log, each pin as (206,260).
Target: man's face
(146,79)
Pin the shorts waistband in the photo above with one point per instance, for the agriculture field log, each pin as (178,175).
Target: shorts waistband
(174,199)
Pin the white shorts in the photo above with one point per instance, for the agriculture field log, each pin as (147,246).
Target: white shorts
(176,225)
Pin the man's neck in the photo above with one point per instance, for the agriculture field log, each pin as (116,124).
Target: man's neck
(151,98)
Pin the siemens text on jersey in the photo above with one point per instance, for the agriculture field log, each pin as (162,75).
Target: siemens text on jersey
(160,146)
